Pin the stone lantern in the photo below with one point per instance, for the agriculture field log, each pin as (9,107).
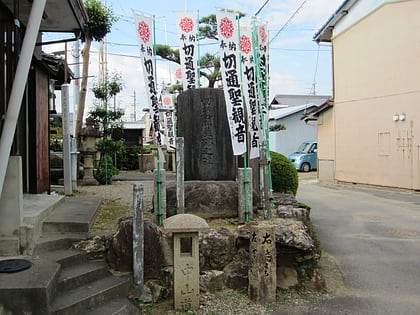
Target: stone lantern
(185,229)
(88,150)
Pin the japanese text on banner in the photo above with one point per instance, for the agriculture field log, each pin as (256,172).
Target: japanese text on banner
(262,35)
(144,29)
(230,64)
(249,84)
(187,30)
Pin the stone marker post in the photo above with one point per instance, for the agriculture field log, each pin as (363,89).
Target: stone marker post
(138,236)
(185,229)
(180,199)
(262,270)
(243,197)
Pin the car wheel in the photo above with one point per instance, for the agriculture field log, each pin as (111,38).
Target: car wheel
(305,167)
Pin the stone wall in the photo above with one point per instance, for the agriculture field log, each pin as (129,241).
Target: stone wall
(224,251)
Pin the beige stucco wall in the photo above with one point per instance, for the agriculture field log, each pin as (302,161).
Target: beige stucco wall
(326,146)
(376,75)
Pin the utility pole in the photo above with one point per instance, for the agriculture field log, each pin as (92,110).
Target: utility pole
(134,106)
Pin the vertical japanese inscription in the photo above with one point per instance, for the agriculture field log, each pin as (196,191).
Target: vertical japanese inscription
(208,132)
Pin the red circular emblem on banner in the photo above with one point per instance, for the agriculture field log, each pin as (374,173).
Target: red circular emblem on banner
(245,44)
(144,31)
(263,34)
(226,27)
(186,24)
(178,73)
(167,101)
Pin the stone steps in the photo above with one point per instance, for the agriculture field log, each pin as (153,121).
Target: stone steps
(62,280)
(89,295)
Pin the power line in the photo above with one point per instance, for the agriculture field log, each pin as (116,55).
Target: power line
(258,12)
(287,22)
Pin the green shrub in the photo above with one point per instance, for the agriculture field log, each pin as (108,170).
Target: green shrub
(128,158)
(105,170)
(283,173)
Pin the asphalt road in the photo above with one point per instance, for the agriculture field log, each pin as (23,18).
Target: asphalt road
(374,236)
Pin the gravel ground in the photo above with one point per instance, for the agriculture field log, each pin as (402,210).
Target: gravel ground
(226,302)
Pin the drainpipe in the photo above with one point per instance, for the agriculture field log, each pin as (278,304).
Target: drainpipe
(18,87)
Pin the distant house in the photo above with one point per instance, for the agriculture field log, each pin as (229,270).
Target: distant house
(296,99)
(287,110)
(370,133)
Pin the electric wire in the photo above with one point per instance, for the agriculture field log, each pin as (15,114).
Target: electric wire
(287,22)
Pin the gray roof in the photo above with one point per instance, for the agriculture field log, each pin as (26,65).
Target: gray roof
(326,31)
(294,100)
(287,111)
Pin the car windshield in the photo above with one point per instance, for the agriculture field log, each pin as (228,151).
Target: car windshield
(304,147)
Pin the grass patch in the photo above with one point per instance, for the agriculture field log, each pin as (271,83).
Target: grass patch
(108,215)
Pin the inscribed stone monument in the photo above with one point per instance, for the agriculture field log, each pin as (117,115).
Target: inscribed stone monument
(203,123)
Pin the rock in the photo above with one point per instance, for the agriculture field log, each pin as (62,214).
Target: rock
(293,233)
(94,247)
(153,251)
(120,252)
(207,199)
(212,280)
(217,249)
(153,292)
(284,199)
(292,212)
(236,274)
(287,277)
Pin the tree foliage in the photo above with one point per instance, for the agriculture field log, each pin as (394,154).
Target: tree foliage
(100,21)
(209,63)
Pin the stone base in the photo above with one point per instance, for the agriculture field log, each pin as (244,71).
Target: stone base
(9,246)
(207,199)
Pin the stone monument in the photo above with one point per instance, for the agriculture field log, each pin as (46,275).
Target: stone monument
(203,123)
(263,262)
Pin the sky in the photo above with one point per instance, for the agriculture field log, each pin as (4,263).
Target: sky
(297,64)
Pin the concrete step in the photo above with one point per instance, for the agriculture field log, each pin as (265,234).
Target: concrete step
(81,299)
(75,215)
(121,306)
(76,276)
(57,241)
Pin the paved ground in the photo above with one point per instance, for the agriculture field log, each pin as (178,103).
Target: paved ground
(374,236)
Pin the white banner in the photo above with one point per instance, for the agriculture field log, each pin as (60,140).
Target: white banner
(227,28)
(262,35)
(144,30)
(187,30)
(169,130)
(250,90)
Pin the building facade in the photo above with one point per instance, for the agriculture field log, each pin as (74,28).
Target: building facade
(370,135)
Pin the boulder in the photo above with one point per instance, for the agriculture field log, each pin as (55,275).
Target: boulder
(284,199)
(217,249)
(212,280)
(287,277)
(293,233)
(153,292)
(236,274)
(207,199)
(292,212)
(120,252)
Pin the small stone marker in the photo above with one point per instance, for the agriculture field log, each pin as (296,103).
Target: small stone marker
(262,270)
(185,229)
